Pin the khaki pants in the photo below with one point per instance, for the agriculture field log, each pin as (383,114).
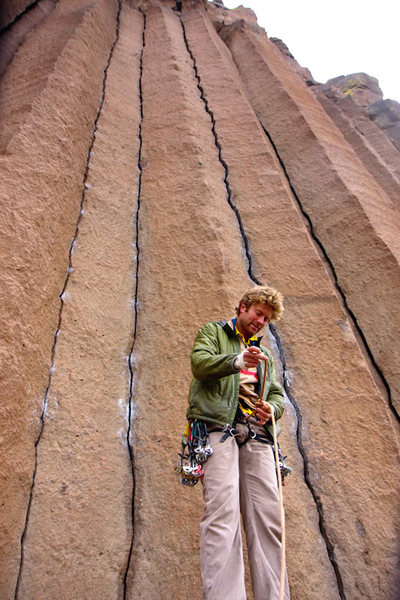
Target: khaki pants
(240,481)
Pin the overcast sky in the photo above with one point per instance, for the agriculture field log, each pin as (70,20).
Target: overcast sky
(337,38)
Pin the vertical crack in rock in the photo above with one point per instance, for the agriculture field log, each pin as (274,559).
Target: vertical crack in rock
(356,327)
(135,302)
(331,269)
(62,297)
(12,38)
(222,161)
(286,383)
(19,16)
(317,500)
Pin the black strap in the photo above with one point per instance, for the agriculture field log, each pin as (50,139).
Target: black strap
(263,439)
(231,431)
(252,435)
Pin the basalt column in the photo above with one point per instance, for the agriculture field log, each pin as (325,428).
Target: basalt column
(49,99)
(191,269)
(353,218)
(373,146)
(79,527)
(319,350)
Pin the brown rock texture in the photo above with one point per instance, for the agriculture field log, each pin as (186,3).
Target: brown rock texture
(359,91)
(11,10)
(386,114)
(45,141)
(342,200)
(154,164)
(363,88)
(372,146)
(14,35)
(369,123)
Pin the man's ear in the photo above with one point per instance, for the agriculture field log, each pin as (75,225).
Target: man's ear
(242,308)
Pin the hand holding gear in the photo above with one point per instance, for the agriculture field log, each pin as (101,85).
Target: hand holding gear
(250,357)
(264,411)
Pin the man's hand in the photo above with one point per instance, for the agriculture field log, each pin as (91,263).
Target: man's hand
(250,357)
(263,411)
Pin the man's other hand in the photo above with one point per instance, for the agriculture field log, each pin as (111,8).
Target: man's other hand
(263,411)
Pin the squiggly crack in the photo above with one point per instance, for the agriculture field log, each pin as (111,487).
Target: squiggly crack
(62,297)
(318,503)
(131,352)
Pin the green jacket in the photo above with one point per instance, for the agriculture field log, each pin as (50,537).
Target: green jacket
(214,391)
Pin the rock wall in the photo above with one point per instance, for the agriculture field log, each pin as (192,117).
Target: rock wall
(366,93)
(331,183)
(386,114)
(12,10)
(155,163)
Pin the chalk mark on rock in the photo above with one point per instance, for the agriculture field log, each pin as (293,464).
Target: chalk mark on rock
(62,297)
(135,303)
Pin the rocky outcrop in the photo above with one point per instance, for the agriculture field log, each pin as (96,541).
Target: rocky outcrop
(149,180)
(362,92)
(363,88)
(372,146)
(386,114)
(353,101)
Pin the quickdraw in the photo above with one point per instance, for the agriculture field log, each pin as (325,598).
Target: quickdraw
(196,450)
(283,467)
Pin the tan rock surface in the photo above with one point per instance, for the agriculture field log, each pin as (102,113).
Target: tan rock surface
(82,498)
(373,147)
(351,215)
(11,9)
(191,270)
(184,204)
(41,171)
(313,307)
(13,37)
(342,103)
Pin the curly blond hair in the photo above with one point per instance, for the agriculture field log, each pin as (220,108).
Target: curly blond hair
(263,294)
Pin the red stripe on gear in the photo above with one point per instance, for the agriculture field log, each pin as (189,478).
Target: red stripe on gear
(251,373)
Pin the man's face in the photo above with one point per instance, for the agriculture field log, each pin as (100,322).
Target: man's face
(251,320)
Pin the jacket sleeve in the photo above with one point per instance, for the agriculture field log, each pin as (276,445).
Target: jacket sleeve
(207,363)
(275,391)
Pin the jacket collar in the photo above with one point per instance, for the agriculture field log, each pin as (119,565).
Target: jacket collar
(228,329)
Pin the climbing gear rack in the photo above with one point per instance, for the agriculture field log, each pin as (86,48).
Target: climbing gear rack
(283,467)
(196,450)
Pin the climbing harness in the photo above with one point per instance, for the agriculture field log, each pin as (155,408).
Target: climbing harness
(196,450)
(230,430)
(243,418)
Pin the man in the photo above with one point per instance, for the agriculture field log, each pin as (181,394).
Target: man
(228,364)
